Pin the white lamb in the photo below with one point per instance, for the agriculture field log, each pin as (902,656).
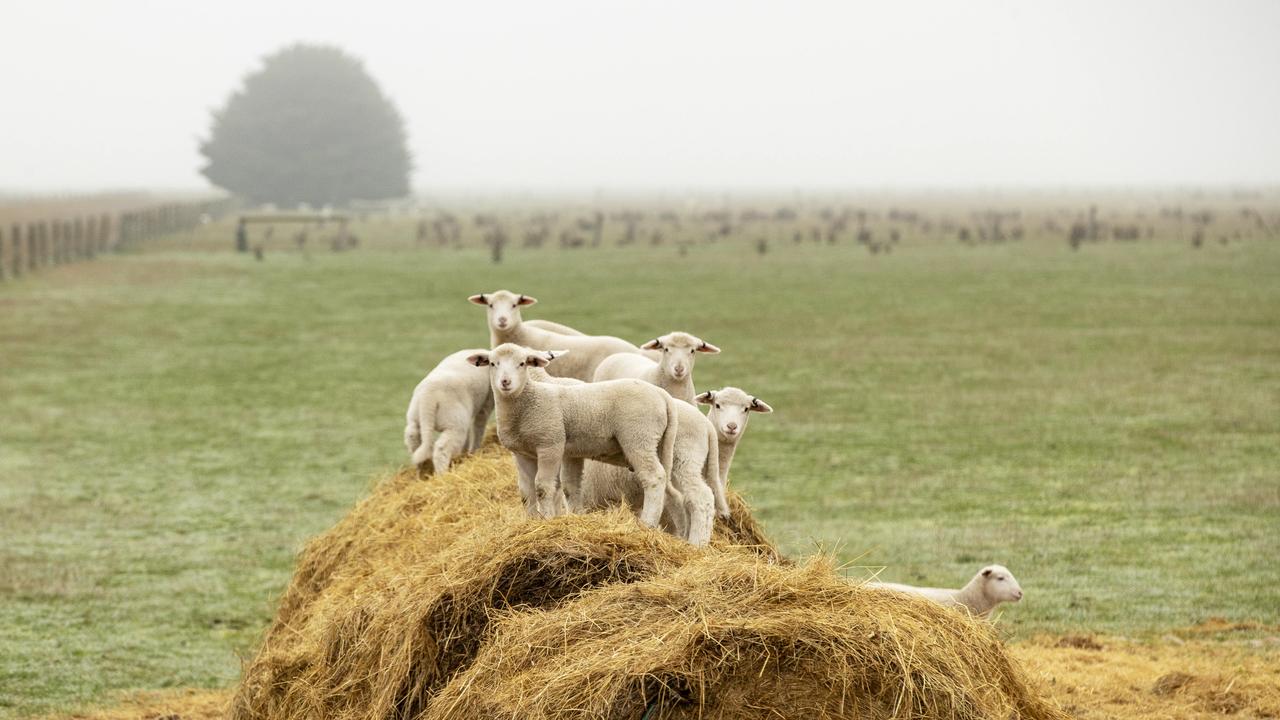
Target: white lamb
(673,371)
(505,326)
(689,508)
(453,400)
(552,428)
(554,327)
(730,412)
(993,584)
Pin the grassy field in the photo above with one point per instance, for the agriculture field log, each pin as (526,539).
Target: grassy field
(1107,423)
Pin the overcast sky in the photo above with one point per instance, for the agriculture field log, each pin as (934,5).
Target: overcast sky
(544,94)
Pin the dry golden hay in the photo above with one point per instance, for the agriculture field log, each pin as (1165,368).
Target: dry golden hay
(1114,678)
(400,597)
(184,704)
(728,636)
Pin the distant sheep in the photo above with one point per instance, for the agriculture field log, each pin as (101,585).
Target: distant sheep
(552,428)
(993,584)
(505,326)
(672,371)
(454,400)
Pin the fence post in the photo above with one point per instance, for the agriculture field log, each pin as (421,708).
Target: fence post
(4,257)
(15,241)
(90,231)
(104,233)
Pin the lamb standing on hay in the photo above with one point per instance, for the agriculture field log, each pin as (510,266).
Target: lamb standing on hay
(553,428)
(454,400)
(689,509)
(505,326)
(993,584)
(730,412)
(672,371)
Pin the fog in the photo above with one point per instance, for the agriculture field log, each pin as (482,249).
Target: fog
(554,95)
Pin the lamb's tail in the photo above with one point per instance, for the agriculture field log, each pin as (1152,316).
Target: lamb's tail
(667,451)
(420,426)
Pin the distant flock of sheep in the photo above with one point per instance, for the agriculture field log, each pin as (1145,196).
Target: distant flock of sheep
(594,421)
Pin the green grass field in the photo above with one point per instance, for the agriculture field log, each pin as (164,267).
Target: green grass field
(173,425)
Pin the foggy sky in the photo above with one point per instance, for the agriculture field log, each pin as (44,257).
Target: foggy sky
(547,95)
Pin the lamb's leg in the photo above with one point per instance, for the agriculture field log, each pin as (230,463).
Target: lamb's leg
(449,445)
(526,470)
(699,505)
(653,480)
(674,517)
(546,484)
(571,483)
(477,427)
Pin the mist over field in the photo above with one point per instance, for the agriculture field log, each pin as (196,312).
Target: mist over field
(667,95)
(995,285)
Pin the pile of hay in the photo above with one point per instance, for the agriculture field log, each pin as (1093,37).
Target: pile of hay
(437,598)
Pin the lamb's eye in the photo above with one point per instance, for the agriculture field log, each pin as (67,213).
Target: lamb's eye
(717,406)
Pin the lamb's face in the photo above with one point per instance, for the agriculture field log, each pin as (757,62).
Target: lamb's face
(999,585)
(730,411)
(678,353)
(504,308)
(509,367)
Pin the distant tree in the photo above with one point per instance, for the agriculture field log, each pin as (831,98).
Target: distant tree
(310,126)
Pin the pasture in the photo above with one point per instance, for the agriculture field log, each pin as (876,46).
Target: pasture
(176,421)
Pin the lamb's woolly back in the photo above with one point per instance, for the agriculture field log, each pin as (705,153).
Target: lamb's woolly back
(670,369)
(506,326)
(552,428)
(989,587)
(453,400)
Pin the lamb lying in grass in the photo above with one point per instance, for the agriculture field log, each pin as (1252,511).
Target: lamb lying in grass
(453,400)
(993,584)
(506,326)
(552,428)
(672,371)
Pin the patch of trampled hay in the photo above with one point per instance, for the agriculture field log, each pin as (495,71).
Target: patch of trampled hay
(729,636)
(1118,678)
(399,599)
(742,530)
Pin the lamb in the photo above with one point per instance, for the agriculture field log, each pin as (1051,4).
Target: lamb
(552,428)
(554,327)
(454,399)
(689,509)
(505,326)
(673,370)
(993,584)
(730,412)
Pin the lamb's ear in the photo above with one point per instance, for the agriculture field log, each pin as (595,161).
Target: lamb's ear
(526,300)
(758,405)
(706,398)
(986,572)
(553,354)
(479,300)
(479,359)
(541,359)
(654,344)
(707,347)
